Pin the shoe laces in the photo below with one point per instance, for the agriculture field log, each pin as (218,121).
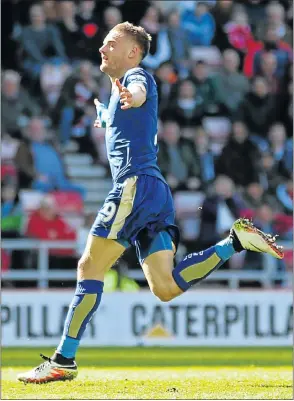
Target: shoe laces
(43,365)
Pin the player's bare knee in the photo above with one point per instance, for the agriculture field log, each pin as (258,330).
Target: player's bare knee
(84,266)
(166,296)
(163,295)
(163,292)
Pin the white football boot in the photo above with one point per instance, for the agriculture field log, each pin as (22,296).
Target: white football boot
(49,371)
(253,239)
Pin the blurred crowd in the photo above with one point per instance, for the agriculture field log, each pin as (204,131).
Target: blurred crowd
(224,71)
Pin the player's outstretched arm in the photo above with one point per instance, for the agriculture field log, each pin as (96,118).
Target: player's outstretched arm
(132,96)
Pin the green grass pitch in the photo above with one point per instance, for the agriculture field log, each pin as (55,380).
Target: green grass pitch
(159,373)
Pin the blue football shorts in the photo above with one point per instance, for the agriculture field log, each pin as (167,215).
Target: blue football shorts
(139,212)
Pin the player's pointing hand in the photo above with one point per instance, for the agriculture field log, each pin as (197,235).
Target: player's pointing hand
(126,98)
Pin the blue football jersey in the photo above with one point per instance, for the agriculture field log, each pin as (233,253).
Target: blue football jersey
(131,135)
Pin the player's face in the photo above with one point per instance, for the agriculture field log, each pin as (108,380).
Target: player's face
(115,53)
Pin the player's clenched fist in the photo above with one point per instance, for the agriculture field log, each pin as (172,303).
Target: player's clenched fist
(126,97)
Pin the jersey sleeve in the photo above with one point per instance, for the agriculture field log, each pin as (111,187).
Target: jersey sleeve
(137,75)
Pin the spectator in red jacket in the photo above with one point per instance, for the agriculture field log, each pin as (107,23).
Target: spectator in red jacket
(238,30)
(45,224)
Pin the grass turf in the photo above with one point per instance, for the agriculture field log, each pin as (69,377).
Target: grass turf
(159,373)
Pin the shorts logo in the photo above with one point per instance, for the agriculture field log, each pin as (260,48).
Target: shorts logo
(107,212)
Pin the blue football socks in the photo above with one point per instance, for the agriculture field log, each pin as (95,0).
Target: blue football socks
(84,304)
(197,266)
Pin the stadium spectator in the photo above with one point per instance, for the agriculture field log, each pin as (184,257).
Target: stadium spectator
(51,11)
(74,110)
(187,106)
(78,92)
(111,17)
(285,195)
(11,212)
(45,224)
(51,81)
(220,207)
(205,86)
(222,14)
(281,149)
(264,217)
(165,78)
(12,220)
(268,70)
(238,30)
(239,157)
(281,49)
(40,43)
(70,31)
(283,225)
(174,152)
(275,19)
(258,110)
(178,40)
(256,12)
(17,104)
(39,165)
(202,160)
(90,31)
(254,196)
(269,175)
(160,47)
(229,80)
(199,25)
(223,11)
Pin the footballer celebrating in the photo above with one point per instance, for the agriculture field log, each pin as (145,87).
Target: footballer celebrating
(139,209)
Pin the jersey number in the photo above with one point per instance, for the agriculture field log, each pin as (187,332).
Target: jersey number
(107,212)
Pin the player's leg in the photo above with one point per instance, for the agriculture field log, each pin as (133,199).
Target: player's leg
(160,280)
(167,281)
(99,256)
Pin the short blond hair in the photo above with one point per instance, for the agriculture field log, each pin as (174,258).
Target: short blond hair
(138,33)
